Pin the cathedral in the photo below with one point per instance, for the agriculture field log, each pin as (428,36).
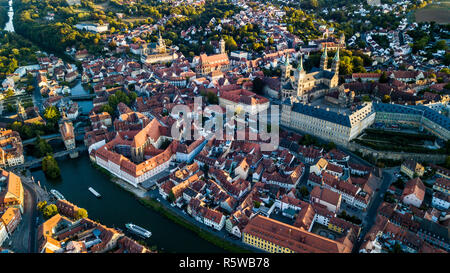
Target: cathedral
(305,87)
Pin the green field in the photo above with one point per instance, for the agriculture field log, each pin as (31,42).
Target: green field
(438,11)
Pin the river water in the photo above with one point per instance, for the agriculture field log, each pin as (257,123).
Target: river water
(86,105)
(118,207)
(9,25)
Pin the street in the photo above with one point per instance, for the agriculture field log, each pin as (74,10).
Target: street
(23,239)
(223,234)
(369,220)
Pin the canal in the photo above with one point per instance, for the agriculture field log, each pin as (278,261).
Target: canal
(118,207)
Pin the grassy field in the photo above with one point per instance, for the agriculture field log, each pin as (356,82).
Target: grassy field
(438,11)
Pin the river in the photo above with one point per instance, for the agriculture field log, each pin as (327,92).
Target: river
(9,25)
(86,105)
(118,207)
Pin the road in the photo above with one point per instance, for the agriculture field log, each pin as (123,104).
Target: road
(23,240)
(223,234)
(369,220)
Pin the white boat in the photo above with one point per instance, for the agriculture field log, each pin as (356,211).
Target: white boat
(57,194)
(138,230)
(98,195)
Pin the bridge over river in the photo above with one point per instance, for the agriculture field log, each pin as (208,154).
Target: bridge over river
(37,162)
(82,97)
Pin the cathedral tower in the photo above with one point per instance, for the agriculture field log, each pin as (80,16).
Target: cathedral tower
(324,59)
(335,64)
(222,46)
(286,69)
(300,77)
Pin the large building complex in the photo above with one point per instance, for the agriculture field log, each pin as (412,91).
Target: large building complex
(135,156)
(415,116)
(274,236)
(157,52)
(304,86)
(325,123)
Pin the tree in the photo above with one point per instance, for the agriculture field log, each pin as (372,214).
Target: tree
(383,78)
(41,205)
(52,114)
(50,167)
(50,210)
(304,191)
(41,148)
(107,108)
(447,162)
(10,108)
(346,65)
(171,197)
(331,145)
(258,86)
(396,248)
(81,213)
(212,98)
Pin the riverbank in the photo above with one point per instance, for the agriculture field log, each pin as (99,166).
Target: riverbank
(150,203)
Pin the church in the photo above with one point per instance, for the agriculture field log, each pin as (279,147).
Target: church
(157,52)
(305,87)
(205,64)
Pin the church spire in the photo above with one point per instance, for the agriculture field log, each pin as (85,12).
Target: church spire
(335,65)
(300,64)
(324,59)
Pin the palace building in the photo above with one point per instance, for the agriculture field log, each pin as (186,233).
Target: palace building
(339,126)
(277,237)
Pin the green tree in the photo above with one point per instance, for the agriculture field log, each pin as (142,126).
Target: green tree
(258,86)
(304,191)
(41,148)
(50,167)
(50,210)
(81,213)
(52,114)
(41,205)
(171,197)
(383,78)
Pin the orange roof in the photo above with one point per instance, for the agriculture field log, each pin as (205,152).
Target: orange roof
(152,130)
(294,238)
(9,215)
(326,195)
(14,190)
(416,187)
